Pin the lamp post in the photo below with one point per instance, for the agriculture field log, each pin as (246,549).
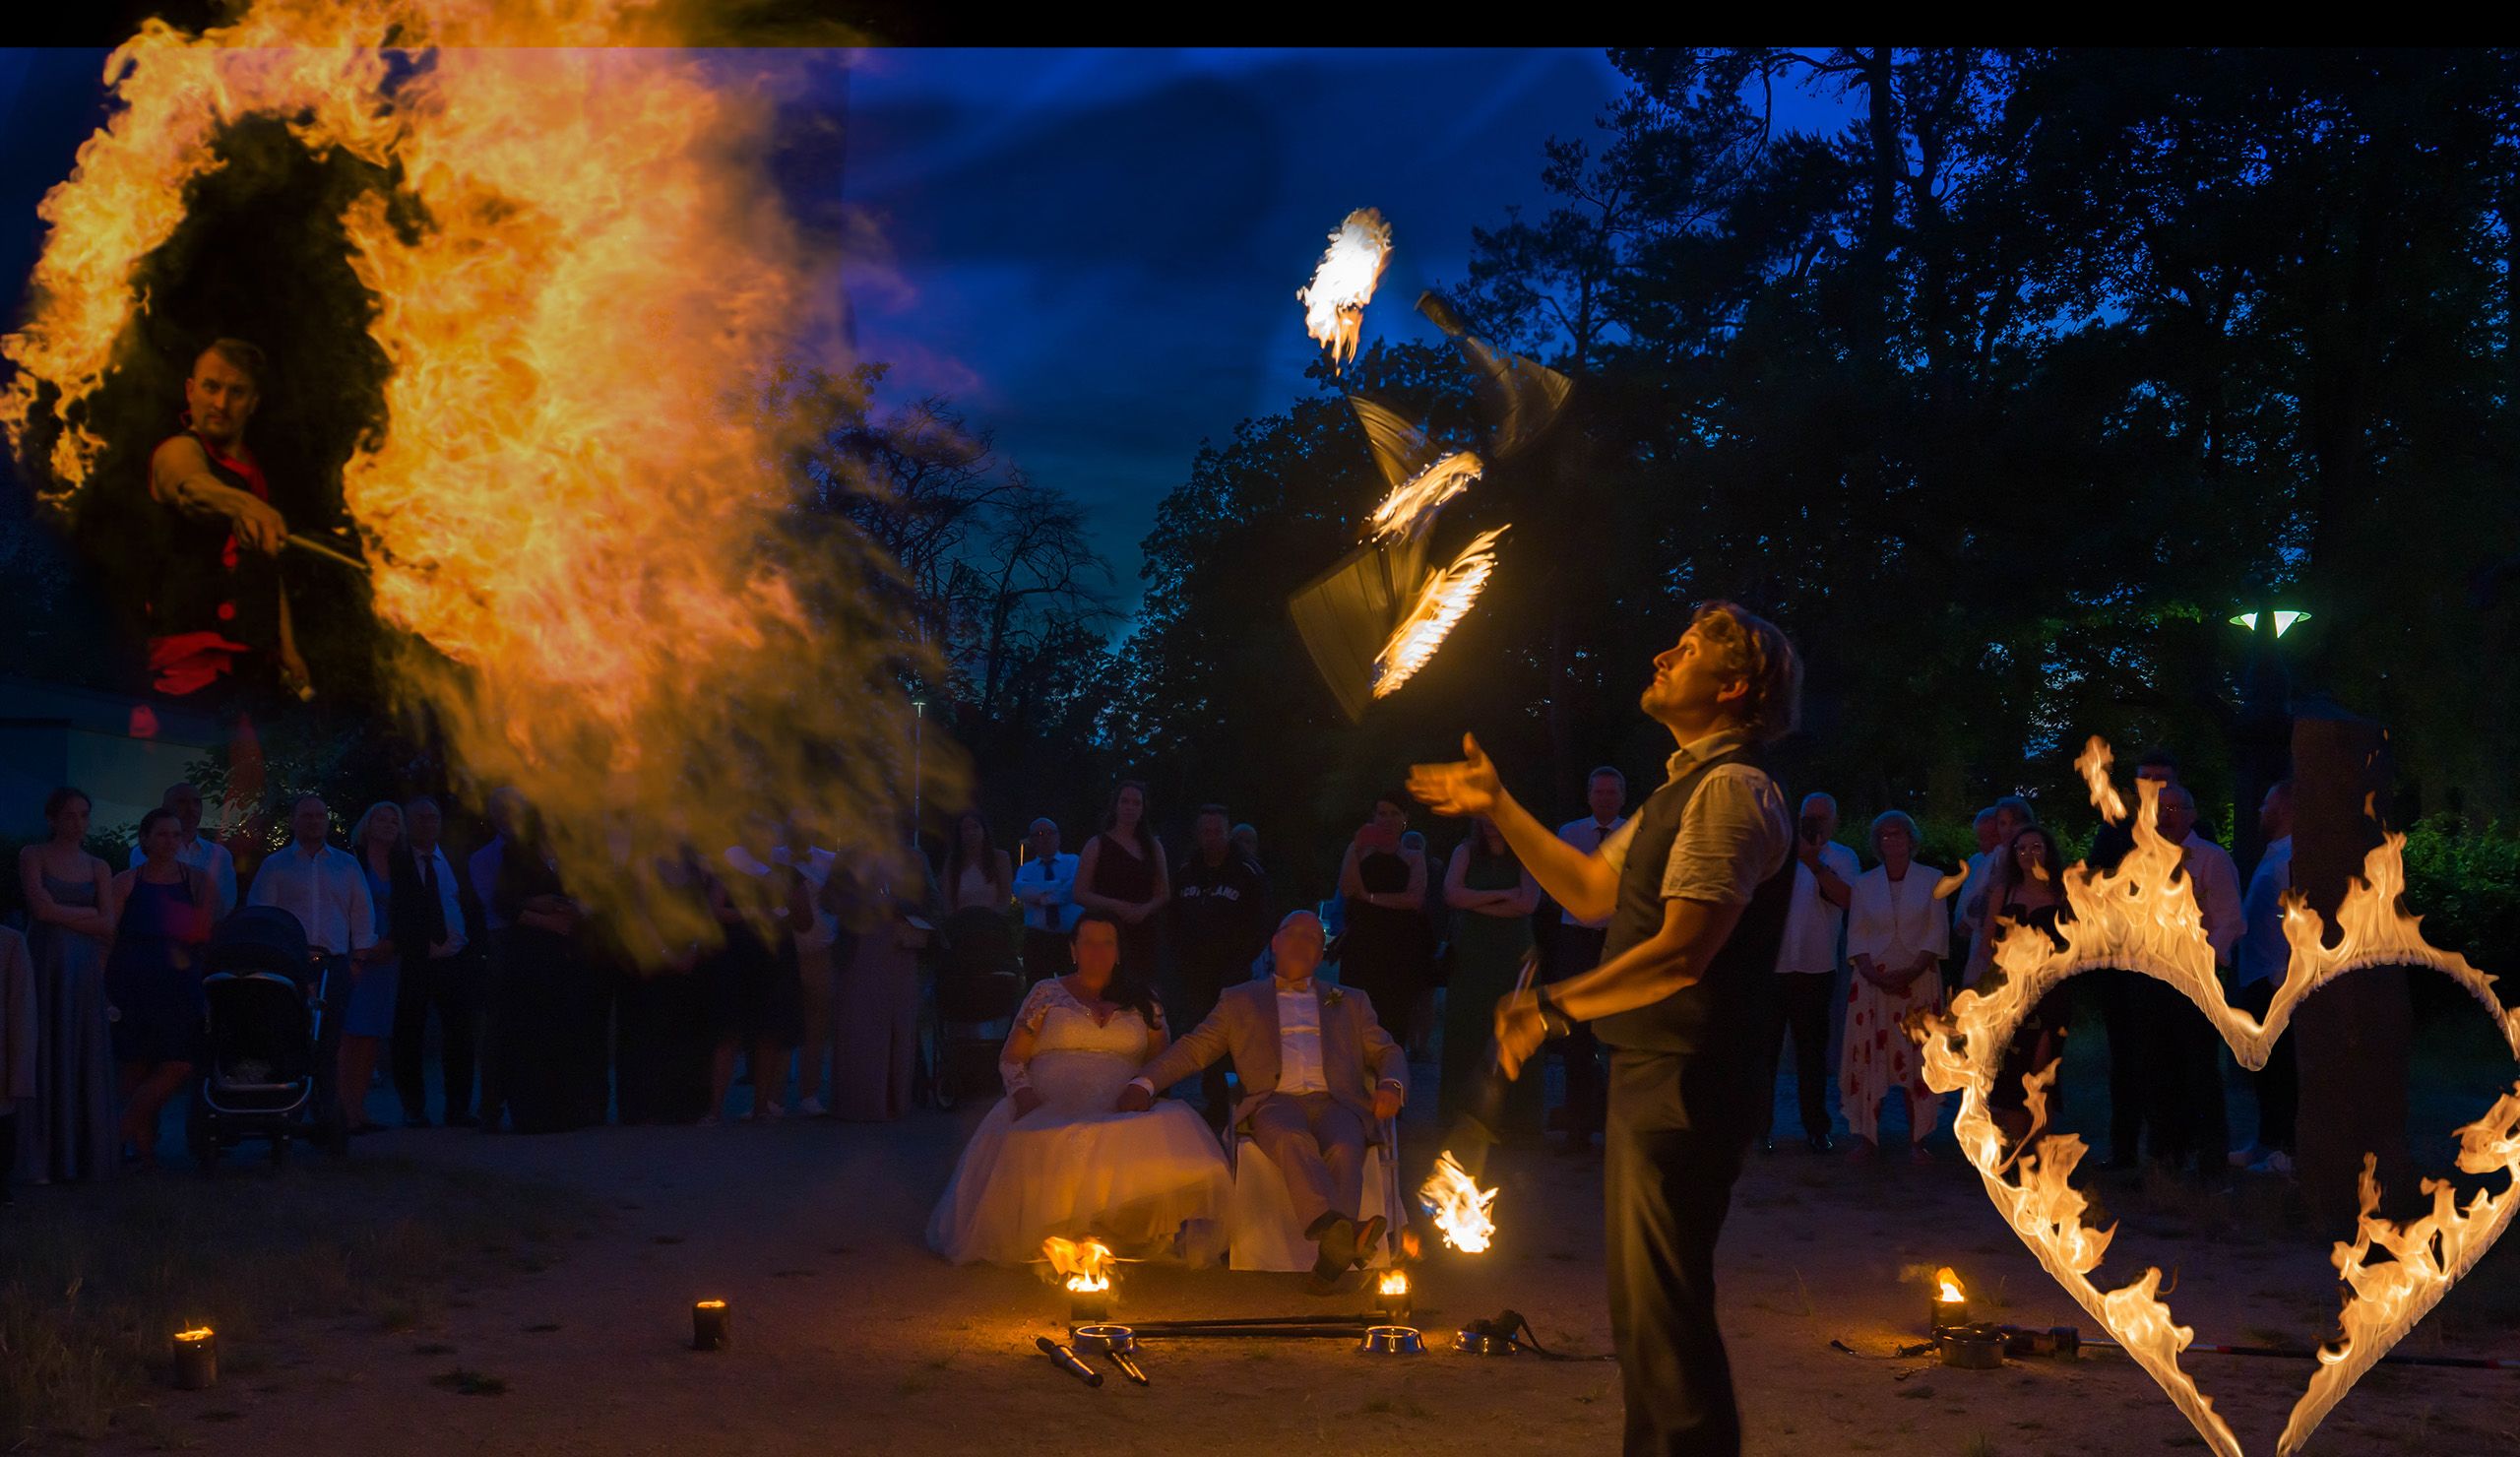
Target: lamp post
(2264,733)
(917,775)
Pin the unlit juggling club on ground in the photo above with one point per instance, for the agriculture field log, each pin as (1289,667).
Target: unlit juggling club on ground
(1065,1359)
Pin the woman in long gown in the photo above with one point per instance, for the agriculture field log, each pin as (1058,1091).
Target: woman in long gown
(154,977)
(1493,897)
(71,1131)
(1386,950)
(1896,937)
(889,908)
(1122,874)
(1052,1157)
(2025,887)
(376,983)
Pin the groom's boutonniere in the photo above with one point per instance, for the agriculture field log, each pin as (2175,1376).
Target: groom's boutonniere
(1333,996)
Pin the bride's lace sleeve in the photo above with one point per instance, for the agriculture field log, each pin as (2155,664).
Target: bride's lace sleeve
(1014,1060)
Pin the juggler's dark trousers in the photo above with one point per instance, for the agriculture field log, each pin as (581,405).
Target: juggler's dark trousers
(1577,950)
(1667,1172)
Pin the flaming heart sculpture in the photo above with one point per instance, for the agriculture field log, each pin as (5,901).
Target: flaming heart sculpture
(2144,917)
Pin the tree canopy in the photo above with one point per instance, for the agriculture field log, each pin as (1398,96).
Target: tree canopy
(2002,400)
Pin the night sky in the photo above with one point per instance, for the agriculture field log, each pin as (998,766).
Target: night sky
(1095,253)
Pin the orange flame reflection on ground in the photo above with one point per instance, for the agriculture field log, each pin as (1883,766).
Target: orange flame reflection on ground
(1089,1265)
(1444,600)
(579,513)
(1459,1206)
(1343,282)
(2144,917)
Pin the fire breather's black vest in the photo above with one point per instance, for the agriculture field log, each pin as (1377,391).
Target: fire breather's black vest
(1717,1017)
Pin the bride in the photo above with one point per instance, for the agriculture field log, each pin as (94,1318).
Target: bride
(1052,1157)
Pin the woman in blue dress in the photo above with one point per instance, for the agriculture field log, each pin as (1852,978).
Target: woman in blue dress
(154,977)
(70,1131)
(369,1020)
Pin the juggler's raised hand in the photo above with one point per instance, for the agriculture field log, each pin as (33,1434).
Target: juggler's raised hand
(1470,787)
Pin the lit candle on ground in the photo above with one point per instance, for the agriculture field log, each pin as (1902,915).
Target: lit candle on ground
(712,1325)
(1391,1295)
(1950,1301)
(196,1358)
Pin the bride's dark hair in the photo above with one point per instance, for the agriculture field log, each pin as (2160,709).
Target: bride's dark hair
(1123,990)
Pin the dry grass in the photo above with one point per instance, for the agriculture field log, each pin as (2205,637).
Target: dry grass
(93,1280)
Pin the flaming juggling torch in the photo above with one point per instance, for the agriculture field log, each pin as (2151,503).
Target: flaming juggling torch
(1451,1192)
(1343,282)
(1088,1266)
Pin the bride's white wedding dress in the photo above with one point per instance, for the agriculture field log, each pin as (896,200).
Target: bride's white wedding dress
(1073,1166)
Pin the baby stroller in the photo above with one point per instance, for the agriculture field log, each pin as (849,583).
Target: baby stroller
(977,990)
(265,997)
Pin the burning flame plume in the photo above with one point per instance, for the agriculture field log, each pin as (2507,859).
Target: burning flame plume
(1443,602)
(1088,1266)
(1949,1281)
(1459,1206)
(1392,1282)
(1411,508)
(579,515)
(1343,283)
(2140,918)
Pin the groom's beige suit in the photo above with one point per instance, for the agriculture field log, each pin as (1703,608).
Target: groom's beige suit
(1307,1090)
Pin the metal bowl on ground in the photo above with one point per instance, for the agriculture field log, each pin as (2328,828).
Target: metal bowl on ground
(1483,1343)
(1972,1348)
(1391,1340)
(1102,1340)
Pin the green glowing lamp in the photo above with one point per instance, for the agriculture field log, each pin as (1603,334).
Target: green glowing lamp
(2284,621)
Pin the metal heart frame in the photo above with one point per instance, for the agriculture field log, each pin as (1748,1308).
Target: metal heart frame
(2143,917)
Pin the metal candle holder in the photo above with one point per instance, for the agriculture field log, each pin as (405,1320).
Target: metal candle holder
(196,1359)
(713,1325)
(1972,1348)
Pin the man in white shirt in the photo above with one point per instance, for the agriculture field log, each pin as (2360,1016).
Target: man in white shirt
(1046,887)
(2263,959)
(1969,907)
(1575,949)
(2188,1120)
(1304,1050)
(208,857)
(427,927)
(1806,965)
(327,891)
(323,887)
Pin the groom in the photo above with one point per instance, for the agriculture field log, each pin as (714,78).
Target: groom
(1305,1052)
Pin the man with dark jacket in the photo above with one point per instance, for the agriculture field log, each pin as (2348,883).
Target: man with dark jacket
(1219,925)
(431,921)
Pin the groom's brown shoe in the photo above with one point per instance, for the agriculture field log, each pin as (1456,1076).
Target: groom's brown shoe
(1368,1236)
(1338,1251)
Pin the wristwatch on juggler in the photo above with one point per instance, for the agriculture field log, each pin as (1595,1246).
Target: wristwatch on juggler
(1553,1017)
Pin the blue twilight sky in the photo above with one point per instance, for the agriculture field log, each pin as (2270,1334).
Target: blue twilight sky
(1094,252)
(1098,250)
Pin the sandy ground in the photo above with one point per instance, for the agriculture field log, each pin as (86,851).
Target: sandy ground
(851,1338)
